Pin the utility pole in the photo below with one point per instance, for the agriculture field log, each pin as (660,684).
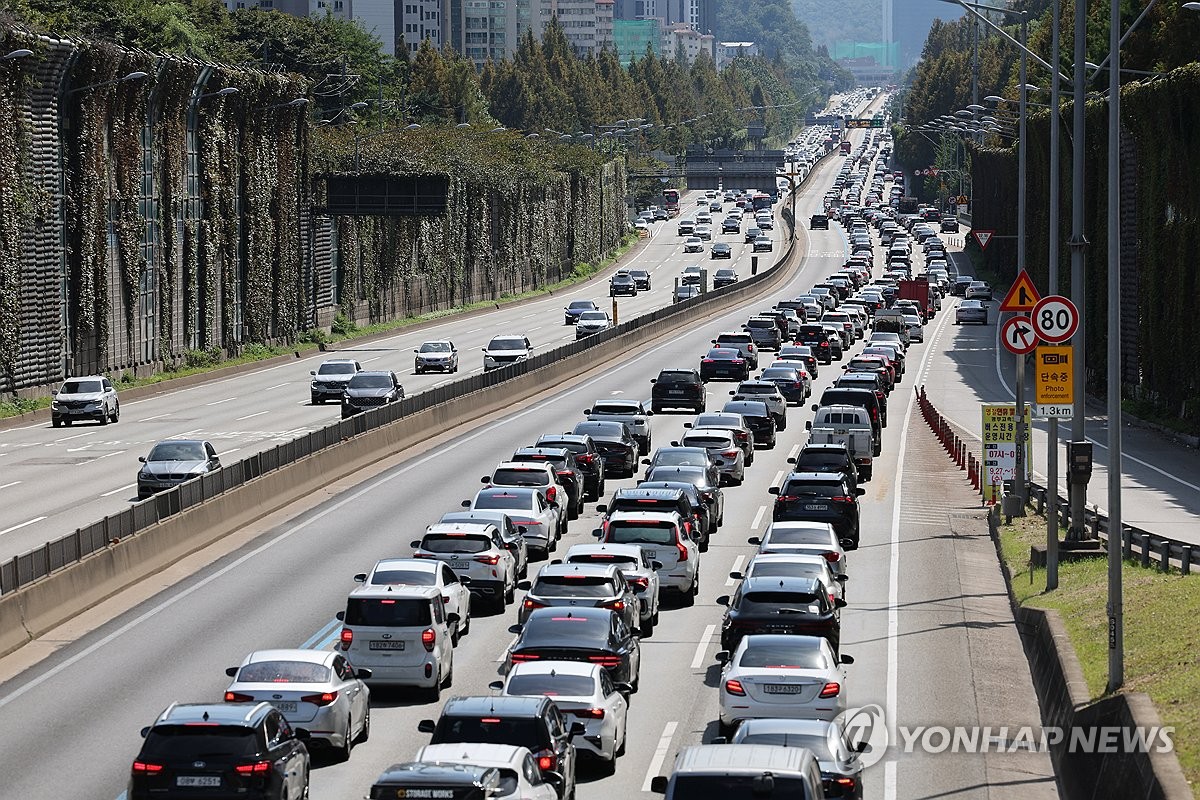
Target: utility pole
(1116,621)
(1079,245)
(1019,485)
(1055,179)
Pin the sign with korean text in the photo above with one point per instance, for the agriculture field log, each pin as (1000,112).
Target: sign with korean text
(1000,447)
(1054,379)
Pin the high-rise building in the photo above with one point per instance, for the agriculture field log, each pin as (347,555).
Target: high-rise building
(418,20)
(631,37)
(587,24)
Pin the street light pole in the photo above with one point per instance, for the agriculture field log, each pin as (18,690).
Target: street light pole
(1055,178)
(1022,158)
(1116,633)
(1078,491)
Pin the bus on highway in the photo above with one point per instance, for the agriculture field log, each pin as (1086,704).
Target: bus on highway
(671,201)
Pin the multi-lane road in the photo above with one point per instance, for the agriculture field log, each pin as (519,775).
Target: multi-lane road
(928,621)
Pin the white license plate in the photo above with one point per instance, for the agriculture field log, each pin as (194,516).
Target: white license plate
(459,564)
(285,706)
(377,645)
(675,391)
(197,780)
(783,688)
(815,507)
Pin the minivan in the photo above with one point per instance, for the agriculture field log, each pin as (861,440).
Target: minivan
(742,772)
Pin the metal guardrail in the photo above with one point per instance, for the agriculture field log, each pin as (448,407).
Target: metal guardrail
(39,562)
(1135,543)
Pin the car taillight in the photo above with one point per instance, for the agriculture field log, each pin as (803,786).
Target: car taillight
(824,344)
(831,556)
(489,560)
(586,458)
(423,555)
(546,761)
(846,783)
(322,699)
(615,605)
(257,768)
(642,582)
(590,713)
(737,360)
(683,552)
(742,436)
(552,494)
(605,660)
(238,697)
(529,605)
(347,638)
(708,361)
(842,499)
(735,687)
(730,453)
(428,636)
(520,658)
(146,767)
(831,690)
(786,498)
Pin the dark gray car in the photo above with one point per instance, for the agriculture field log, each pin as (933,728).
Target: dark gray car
(174,461)
(368,390)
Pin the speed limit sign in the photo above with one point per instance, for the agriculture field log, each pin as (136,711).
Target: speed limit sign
(1055,319)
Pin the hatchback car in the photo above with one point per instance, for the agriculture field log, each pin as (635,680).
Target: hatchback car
(566,470)
(724,451)
(173,462)
(439,355)
(476,554)
(538,474)
(731,422)
(318,690)
(793,382)
(245,749)
(329,380)
(371,389)
(765,332)
(820,497)
(978,290)
(91,398)
(804,537)
(817,338)
(582,586)
(797,565)
(590,635)
(818,222)
(615,443)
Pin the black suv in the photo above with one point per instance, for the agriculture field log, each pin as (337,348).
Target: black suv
(677,388)
(367,390)
(532,722)
(864,398)
(820,497)
(827,458)
(817,338)
(622,283)
(234,749)
(818,222)
(565,467)
(587,458)
(665,500)
(774,605)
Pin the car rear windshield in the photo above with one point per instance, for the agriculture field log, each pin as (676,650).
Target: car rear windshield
(782,655)
(336,369)
(623,532)
(500,501)
(818,461)
(779,374)
(784,569)
(388,613)
(81,387)
(490,729)
(760,323)
(770,601)
(455,543)
(602,558)
(735,338)
(207,742)
(573,586)
(736,787)
(706,441)
(582,304)
(407,577)
(798,536)
(515,476)
(561,627)
(551,685)
(361,381)
(615,408)
(646,504)
(283,672)
(753,388)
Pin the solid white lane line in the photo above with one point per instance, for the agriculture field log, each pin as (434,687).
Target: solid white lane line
(5,486)
(118,491)
(758,517)
(702,647)
(277,386)
(69,438)
(778,478)
(156,416)
(21,525)
(660,754)
(737,567)
(252,416)
(219,402)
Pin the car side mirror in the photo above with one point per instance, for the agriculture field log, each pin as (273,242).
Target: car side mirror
(732,392)
(646,461)
(452,618)
(577,729)
(847,544)
(517,628)
(791,460)
(142,459)
(839,603)
(737,576)
(845,659)
(340,616)
(860,492)
(807,427)
(687,424)
(524,585)
(231,671)
(721,657)
(602,508)
(673,444)
(723,600)
(656,564)
(719,740)
(658,784)
(301,734)
(426,726)
(754,540)
(587,411)
(466,504)
(310,372)
(485,479)
(697,537)
(415,543)
(496,686)
(654,380)
(145,732)
(773,490)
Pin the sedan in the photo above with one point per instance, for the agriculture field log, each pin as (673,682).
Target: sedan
(763,243)
(724,277)
(641,279)
(685,292)
(977,290)
(731,422)
(796,565)
(615,443)
(583,692)
(971,311)
(520,776)
(803,537)
(577,307)
(773,676)
(592,322)
(693,244)
(315,689)
(721,250)
(704,232)
(439,355)
(174,461)
(724,363)
(590,635)
(837,755)
(793,381)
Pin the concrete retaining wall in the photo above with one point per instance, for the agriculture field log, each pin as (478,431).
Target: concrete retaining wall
(33,610)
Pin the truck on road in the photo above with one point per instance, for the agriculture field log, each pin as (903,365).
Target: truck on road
(849,426)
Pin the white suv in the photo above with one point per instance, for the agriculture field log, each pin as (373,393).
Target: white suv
(475,552)
(92,397)
(661,535)
(504,350)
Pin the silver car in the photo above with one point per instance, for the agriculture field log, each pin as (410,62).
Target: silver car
(640,571)
(440,355)
(92,397)
(330,379)
(722,448)
(317,690)
(174,461)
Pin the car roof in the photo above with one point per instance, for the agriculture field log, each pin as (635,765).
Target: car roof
(438,773)
(829,447)
(553,452)
(649,516)
(306,655)
(477,528)
(604,548)
(215,713)
(800,524)
(481,754)
(499,705)
(590,570)
(180,441)
(85,378)
(503,491)
(638,493)
(724,433)
(389,591)
(527,466)
(415,564)
(338,361)
(752,759)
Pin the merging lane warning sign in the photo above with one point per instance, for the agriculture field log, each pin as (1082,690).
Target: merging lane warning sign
(1023,295)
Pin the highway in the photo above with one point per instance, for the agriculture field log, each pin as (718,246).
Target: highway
(928,621)
(90,470)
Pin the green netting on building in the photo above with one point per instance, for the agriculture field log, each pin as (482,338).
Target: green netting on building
(632,36)
(884,53)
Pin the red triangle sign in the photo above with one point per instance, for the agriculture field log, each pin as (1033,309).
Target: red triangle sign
(983,237)
(1023,295)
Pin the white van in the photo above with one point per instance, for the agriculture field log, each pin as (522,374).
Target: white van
(742,771)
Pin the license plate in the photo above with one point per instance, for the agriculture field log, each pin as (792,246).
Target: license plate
(783,688)
(376,645)
(815,507)
(197,780)
(459,564)
(285,706)
(651,553)
(675,391)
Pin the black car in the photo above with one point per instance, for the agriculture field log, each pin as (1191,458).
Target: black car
(949,225)
(591,635)
(721,250)
(724,363)
(820,497)
(587,458)
(677,388)
(531,722)
(622,283)
(615,444)
(571,312)
(663,499)
(867,380)
(370,389)
(817,338)
(959,287)
(826,458)
(565,467)
(864,398)
(752,234)
(243,749)
(641,279)
(790,384)
(700,518)
(758,419)
(818,222)
(731,225)
(782,605)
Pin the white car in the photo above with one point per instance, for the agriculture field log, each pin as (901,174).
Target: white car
(803,537)
(693,244)
(425,572)
(704,232)
(661,535)
(722,448)
(765,222)
(520,777)
(314,689)
(796,565)
(785,676)
(535,474)
(916,331)
(502,351)
(633,413)
(590,322)
(638,568)
(474,551)
(690,276)
(584,693)
(528,508)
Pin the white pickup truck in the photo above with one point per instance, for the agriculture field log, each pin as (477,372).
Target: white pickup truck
(848,425)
